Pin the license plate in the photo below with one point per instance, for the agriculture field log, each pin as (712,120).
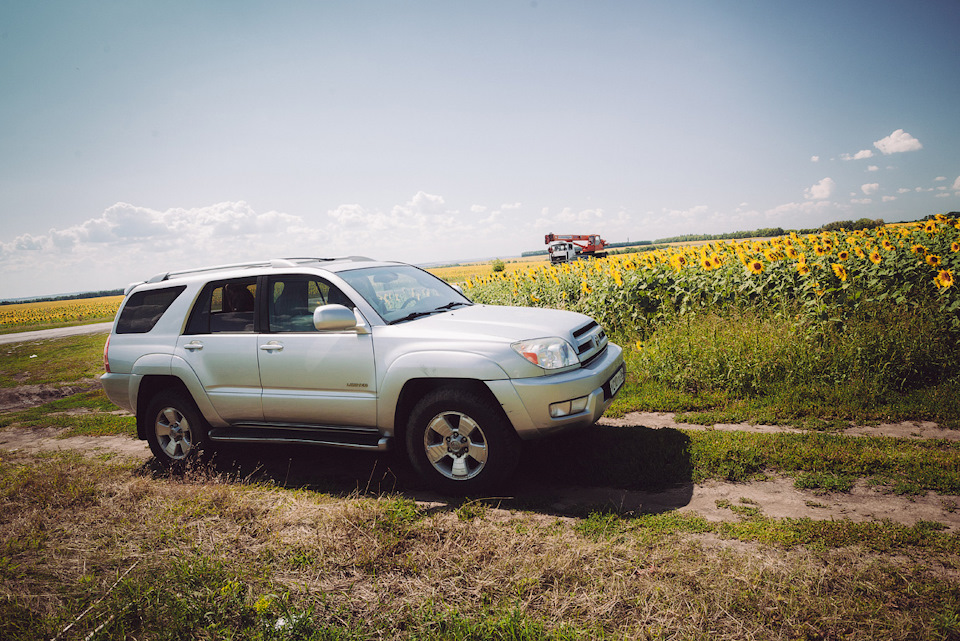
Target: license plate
(616,381)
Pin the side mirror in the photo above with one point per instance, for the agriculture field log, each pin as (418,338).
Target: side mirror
(333,318)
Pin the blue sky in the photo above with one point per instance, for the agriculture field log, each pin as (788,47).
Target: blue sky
(138,137)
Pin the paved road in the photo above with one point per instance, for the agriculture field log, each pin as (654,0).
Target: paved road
(59,332)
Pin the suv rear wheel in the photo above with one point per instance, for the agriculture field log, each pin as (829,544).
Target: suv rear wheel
(459,443)
(176,431)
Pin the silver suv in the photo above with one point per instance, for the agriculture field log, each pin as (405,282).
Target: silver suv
(355,353)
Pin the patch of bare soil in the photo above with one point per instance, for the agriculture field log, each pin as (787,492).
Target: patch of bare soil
(24,397)
(47,439)
(905,429)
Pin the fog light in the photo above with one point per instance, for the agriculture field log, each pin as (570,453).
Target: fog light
(566,408)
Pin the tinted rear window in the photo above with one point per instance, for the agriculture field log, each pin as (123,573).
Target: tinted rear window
(145,308)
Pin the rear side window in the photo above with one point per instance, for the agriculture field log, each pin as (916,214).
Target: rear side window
(145,308)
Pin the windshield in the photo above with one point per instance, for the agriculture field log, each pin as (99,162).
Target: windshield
(403,292)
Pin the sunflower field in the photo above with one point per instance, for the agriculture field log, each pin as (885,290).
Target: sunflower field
(876,309)
(28,316)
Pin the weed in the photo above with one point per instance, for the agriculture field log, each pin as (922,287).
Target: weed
(823,482)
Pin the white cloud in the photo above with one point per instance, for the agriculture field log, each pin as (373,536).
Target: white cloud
(904,190)
(939,179)
(873,168)
(821,190)
(956,183)
(809,210)
(860,155)
(889,199)
(869,188)
(943,195)
(897,142)
(814,158)
(861,201)
(127,243)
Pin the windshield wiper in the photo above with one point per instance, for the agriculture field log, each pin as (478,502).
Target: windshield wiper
(442,308)
(411,316)
(455,303)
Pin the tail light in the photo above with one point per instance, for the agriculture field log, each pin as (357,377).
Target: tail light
(106,361)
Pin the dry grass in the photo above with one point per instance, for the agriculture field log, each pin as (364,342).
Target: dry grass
(383,566)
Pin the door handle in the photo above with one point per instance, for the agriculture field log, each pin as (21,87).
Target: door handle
(272,346)
(193,345)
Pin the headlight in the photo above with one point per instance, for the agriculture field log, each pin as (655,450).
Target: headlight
(548,353)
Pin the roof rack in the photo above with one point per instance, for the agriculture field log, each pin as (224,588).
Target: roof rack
(276,263)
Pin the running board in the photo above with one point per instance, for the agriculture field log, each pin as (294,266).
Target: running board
(352,438)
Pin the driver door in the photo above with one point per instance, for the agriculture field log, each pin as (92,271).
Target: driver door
(310,377)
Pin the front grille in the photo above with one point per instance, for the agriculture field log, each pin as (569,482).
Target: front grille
(594,357)
(586,328)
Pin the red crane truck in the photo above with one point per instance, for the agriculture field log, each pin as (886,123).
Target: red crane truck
(566,247)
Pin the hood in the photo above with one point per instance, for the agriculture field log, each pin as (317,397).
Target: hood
(501,322)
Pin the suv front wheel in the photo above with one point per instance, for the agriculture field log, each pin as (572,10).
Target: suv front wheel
(459,443)
(176,431)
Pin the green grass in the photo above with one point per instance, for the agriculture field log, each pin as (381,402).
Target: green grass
(62,360)
(769,367)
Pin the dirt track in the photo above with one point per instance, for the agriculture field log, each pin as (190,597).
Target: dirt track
(776,497)
(59,332)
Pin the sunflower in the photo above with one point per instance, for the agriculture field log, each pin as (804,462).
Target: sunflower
(755,266)
(706,263)
(839,271)
(918,249)
(933,260)
(859,252)
(875,257)
(791,251)
(819,250)
(955,247)
(930,227)
(888,245)
(944,279)
(843,255)
(803,269)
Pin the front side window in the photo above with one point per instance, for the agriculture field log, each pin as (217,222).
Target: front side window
(294,298)
(402,292)
(225,306)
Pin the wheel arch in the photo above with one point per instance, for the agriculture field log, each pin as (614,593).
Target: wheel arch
(416,388)
(150,386)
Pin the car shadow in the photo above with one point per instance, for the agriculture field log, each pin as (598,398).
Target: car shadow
(625,470)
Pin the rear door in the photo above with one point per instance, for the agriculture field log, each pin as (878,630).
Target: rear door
(311,377)
(220,344)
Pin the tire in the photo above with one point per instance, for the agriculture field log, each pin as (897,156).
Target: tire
(459,443)
(176,431)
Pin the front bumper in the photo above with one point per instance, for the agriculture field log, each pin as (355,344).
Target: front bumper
(526,401)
